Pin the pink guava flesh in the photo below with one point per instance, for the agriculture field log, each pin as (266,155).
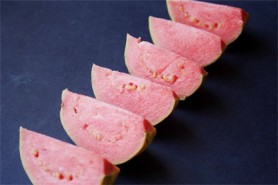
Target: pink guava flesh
(222,20)
(114,133)
(152,101)
(192,43)
(50,161)
(164,67)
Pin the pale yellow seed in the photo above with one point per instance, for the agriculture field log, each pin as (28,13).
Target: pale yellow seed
(181,8)
(195,20)
(206,26)
(98,137)
(169,78)
(40,163)
(186,15)
(143,87)
(154,74)
(180,65)
(131,87)
(45,168)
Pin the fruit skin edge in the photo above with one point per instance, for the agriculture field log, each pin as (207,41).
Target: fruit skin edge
(226,44)
(110,178)
(146,140)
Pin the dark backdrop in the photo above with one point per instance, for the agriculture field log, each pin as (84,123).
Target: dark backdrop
(225,133)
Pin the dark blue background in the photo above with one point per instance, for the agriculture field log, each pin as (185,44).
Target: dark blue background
(225,133)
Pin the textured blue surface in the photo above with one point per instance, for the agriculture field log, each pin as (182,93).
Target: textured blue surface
(226,133)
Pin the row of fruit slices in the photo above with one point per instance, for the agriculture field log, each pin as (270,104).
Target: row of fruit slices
(118,124)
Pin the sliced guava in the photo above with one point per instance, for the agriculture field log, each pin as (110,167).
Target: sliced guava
(114,133)
(50,161)
(151,100)
(164,67)
(193,43)
(222,20)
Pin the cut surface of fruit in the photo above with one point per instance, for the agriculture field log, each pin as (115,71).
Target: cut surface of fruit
(152,101)
(222,20)
(195,44)
(50,161)
(114,133)
(164,67)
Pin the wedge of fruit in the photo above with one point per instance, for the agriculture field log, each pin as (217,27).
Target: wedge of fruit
(222,20)
(150,100)
(193,43)
(164,67)
(50,161)
(114,133)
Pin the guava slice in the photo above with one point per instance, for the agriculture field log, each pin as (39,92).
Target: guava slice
(164,67)
(222,20)
(152,101)
(195,44)
(50,161)
(114,133)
